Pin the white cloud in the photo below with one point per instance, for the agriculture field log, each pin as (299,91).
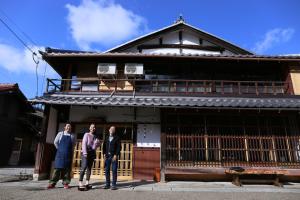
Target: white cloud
(102,22)
(273,37)
(20,60)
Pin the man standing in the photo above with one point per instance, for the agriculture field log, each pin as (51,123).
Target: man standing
(64,143)
(111,151)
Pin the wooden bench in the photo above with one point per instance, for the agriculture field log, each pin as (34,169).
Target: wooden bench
(273,176)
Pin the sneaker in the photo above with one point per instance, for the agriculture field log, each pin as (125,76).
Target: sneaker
(113,187)
(50,186)
(66,186)
(89,186)
(106,187)
(81,188)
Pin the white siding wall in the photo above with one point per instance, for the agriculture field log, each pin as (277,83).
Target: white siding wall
(188,38)
(132,50)
(171,38)
(161,50)
(207,43)
(154,41)
(195,51)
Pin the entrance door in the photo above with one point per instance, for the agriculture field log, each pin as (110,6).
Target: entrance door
(125,132)
(16,152)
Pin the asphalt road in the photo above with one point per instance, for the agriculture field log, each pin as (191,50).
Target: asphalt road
(38,193)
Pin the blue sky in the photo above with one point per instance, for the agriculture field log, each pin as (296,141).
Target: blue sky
(263,26)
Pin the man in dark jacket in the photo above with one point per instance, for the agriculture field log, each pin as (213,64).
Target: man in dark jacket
(111,151)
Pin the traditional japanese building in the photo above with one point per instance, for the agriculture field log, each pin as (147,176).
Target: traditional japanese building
(19,127)
(184,102)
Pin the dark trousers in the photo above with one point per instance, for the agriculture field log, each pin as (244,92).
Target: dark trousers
(114,165)
(86,165)
(57,173)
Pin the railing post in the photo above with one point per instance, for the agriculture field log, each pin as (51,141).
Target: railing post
(222,87)
(47,86)
(186,87)
(256,89)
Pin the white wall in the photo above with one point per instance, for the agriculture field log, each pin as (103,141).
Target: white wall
(188,38)
(114,114)
(161,50)
(195,51)
(51,129)
(148,135)
(171,38)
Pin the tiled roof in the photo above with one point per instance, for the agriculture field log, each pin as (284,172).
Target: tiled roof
(171,101)
(70,53)
(8,86)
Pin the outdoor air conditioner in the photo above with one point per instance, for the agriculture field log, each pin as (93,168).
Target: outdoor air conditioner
(105,69)
(134,69)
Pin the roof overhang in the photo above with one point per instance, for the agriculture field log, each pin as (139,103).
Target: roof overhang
(270,103)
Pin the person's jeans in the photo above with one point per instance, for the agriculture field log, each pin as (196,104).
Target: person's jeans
(114,165)
(86,165)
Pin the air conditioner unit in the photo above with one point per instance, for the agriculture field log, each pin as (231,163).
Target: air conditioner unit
(134,69)
(105,69)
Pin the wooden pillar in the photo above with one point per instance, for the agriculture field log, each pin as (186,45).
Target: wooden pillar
(274,149)
(247,149)
(39,159)
(67,83)
(206,146)
(163,157)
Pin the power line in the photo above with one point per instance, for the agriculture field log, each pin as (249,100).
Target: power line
(12,21)
(36,61)
(6,25)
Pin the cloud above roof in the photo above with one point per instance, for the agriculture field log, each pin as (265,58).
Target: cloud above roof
(20,60)
(102,22)
(273,37)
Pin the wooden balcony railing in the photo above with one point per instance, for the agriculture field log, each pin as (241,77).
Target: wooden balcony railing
(170,86)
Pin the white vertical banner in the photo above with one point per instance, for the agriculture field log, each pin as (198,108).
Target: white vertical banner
(148,135)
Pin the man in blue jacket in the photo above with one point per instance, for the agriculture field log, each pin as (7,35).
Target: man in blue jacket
(111,151)
(64,143)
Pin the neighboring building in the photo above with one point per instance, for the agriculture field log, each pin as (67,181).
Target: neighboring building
(182,100)
(19,127)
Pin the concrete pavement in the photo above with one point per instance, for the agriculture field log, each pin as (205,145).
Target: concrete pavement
(173,186)
(36,190)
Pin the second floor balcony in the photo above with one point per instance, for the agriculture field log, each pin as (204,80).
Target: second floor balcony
(169,87)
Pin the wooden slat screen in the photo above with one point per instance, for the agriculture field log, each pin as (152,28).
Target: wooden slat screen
(124,161)
(214,141)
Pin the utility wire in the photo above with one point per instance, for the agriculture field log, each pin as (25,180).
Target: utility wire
(12,21)
(35,57)
(6,25)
